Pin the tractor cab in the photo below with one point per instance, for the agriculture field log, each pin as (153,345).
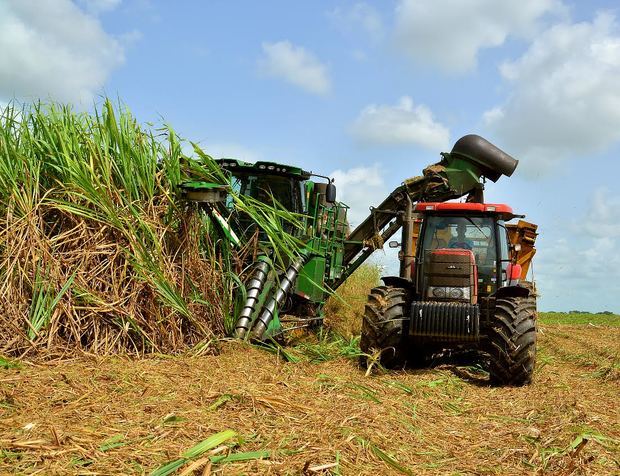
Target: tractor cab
(463,251)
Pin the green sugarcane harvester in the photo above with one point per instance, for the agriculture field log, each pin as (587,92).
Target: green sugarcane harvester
(329,254)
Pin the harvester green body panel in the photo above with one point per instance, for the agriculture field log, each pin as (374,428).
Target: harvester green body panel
(463,176)
(310,280)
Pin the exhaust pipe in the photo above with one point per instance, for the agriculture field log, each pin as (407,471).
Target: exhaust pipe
(262,323)
(255,286)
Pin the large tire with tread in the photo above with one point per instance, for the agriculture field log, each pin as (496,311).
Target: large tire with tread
(383,324)
(511,341)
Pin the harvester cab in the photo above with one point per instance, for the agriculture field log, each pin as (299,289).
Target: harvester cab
(270,183)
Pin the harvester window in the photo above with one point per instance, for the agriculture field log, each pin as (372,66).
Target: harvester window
(302,194)
(235,185)
(271,188)
(267,189)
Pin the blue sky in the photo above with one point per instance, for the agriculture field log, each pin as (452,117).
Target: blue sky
(370,92)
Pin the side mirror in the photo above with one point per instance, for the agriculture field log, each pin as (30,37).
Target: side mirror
(330,193)
(393,244)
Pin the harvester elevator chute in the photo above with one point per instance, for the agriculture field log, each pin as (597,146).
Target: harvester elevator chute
(459,173)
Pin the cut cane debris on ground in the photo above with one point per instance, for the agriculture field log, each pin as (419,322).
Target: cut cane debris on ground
(250,411)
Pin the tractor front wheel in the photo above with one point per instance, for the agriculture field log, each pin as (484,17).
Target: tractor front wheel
(511,341)
(382,327)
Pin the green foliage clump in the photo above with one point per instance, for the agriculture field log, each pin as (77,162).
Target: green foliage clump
(96,250)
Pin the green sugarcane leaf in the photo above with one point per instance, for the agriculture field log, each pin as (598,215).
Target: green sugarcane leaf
(209,443)
(245,456)
(169,468)
(116,441)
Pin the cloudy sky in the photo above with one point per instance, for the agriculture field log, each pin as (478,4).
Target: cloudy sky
(370,92)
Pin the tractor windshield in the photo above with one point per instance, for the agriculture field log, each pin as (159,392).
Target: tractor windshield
(471,233)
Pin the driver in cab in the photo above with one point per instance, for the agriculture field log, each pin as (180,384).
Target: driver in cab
(460,240)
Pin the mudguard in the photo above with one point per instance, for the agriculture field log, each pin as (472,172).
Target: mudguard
(513,291)
(396,281)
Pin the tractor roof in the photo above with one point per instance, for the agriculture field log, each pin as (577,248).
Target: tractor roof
(463,208)
(272,168)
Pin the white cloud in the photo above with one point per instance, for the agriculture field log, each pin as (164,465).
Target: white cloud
(565,99)
(592,264)
(358,17)
(586,272)
(100,6)
(449,33)
(585,262)
(129,38)
(360,188)
(52,49)
(295,65)
(402,123)
(603,218)
(359,55)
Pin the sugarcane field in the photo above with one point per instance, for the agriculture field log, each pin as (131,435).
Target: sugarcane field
(320,238)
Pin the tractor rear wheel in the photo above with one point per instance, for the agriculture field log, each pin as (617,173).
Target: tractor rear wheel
(511,341)
(382,326)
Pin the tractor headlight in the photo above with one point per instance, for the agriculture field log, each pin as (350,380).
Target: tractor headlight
(456,293)
(460,293)
(448,292)
(439,292)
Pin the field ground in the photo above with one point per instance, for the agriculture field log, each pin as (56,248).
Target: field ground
(94,415)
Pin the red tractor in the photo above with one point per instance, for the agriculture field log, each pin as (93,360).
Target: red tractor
(461,288)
